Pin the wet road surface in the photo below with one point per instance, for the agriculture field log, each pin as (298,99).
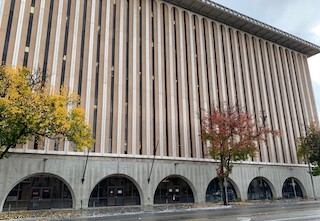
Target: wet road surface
(298,211)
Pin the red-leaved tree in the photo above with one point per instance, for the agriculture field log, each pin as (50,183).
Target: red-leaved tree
(232,134)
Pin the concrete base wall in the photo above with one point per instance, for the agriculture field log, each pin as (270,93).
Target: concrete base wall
(197,174)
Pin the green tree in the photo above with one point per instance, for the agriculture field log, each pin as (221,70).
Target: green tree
(232,134)
(309,148)
(28,109)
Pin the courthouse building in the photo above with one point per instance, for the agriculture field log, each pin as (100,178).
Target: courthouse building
(144,69)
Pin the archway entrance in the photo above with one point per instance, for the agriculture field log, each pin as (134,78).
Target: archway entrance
(291,189)
(214,192)
(39,192)
(173,190)
(259,189)
(114,191)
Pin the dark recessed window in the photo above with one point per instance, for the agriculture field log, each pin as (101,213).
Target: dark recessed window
(26,52)
(127,82)
(83,32)
(7,38)
(65,45)
(46,52)
(185,20)
(112,78)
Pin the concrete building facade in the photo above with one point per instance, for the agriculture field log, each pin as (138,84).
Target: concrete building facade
(144,69)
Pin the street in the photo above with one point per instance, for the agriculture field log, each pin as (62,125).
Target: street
(267,212)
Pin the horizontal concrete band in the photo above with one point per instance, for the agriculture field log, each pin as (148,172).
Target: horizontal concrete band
(198,175)
(145,69)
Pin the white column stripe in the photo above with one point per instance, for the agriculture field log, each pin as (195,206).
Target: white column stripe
(18,34)
(231,87)
(307,89)
(311,91)
(246,76)
(223,91)
(286,114)
(56,53)
(120,79)
(36,52)
(56,46)
(291,107)
(74,47)
(160,82)
(194,92)
(90,58)
(183,85)
(239,74)
(38,38)
(302,91)
(73,57)
(279,106)
(247,83)
(105,81)
(296,95)
(134,80)
(1,10)
(212,64)
(265,101)
(147,74)
(204,79)
(256,95)
(172,81)
(272,103)
(203,74)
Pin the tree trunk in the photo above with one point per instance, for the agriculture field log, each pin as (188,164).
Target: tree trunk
(5,151)
(224,193)
(223,180)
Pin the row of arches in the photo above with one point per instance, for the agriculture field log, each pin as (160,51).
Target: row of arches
(46,191)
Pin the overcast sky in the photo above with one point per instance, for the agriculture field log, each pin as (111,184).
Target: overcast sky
(298,17)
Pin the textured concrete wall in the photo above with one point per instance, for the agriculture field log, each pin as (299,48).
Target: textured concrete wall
(197,174)
(163,63)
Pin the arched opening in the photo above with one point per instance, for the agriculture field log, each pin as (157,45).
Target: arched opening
(215,191)
(259,189)
(114,191)
(173,190)
(39,192)
(291,189)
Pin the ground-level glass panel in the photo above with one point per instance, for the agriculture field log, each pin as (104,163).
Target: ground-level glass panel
(215,192)
(291,189)
(39,192)
(114,191)
(173,190)
(259,189)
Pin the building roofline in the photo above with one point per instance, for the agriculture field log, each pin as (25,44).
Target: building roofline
(245,23)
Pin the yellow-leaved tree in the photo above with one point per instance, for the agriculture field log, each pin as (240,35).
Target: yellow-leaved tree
(28,109)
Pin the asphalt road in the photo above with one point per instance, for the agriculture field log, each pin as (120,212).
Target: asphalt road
(299,211)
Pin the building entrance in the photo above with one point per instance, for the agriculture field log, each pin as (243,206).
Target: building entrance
(173,190)
(291,189)
(215,192)
(39,192)
(259,189)
(40,198)
(114,191)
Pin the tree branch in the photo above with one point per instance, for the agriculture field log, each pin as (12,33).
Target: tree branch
(13,144)
(5,151)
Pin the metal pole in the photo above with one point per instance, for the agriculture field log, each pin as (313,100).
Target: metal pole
(294,188)
(85,166)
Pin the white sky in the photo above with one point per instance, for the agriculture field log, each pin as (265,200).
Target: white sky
(298,17)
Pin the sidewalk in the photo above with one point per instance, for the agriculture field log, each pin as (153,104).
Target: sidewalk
(66,214)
